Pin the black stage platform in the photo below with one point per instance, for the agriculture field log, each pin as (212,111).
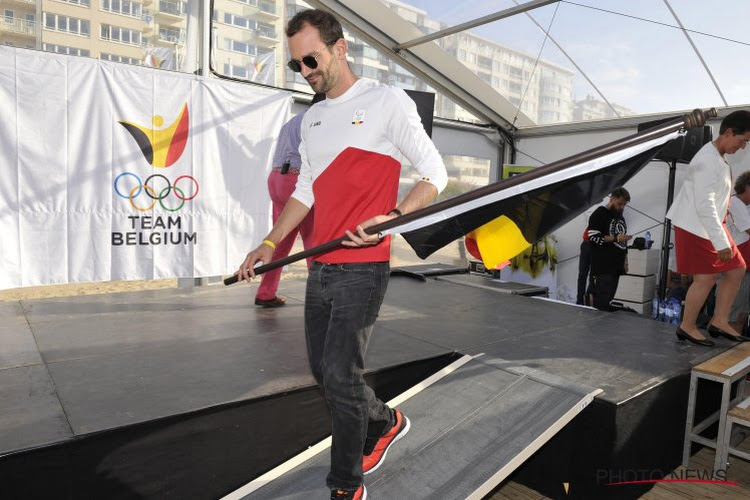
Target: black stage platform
(191,394)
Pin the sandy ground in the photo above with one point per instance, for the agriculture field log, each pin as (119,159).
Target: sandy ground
(75,289)
(401,255)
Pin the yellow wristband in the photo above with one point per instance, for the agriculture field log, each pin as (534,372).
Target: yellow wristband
(270,244)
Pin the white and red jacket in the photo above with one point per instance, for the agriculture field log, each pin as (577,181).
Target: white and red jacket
(351,152)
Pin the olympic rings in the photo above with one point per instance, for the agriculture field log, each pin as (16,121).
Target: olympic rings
(136,177)
(181,196)
(132,195)
(151,177)
(192,179)
(151,192)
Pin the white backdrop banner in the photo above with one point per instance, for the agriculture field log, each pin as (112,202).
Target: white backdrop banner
(113,172)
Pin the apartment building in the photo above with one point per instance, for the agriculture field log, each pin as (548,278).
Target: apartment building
(18,25)
(592,108)
(115,30)
(248,42)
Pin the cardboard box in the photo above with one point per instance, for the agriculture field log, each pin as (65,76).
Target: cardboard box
(643,262)
(636,288)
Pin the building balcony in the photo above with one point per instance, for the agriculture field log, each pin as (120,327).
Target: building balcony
(18,26)
(26,3)
(172,8)
(249,7)
(269,11)
(172,37)
(267,35)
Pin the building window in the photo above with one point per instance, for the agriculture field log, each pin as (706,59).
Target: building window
(172,35)
(172,7)
(61,49)
(124,7)
(484,62)
(235,71)
(119,59)
(241,47)
(240,22)
(122,35)
(83,3)
(66,24)
(268,7)
(369,72)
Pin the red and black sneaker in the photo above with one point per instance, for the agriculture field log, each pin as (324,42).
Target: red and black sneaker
(372,461)
(358,494)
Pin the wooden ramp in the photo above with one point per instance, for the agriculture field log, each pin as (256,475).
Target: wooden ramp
(472,424)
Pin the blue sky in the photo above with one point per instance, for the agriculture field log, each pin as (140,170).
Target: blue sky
(640,65)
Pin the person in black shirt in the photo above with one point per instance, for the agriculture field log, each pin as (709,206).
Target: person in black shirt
(608,239)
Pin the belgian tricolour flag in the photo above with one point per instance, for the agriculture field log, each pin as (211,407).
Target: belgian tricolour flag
(506,217)
(514,213)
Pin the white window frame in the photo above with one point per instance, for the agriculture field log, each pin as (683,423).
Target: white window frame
(110,36)
(61,23)
(134,10)
(80,3)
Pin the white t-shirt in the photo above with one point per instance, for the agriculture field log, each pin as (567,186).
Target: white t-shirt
(351,153)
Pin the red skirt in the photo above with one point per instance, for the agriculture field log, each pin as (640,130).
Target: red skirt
(696,255)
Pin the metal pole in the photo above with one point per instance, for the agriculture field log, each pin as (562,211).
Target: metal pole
(667,236)
(695,119)
(473,24)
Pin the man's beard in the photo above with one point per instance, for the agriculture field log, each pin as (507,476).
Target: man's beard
(325,82)
(321,86)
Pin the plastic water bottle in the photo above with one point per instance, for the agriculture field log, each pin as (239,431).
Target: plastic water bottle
(647,237)
(661,311)
(677,312)
(668,312)
(655,307)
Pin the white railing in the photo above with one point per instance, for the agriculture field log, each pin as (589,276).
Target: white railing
(172,37)
(17,25)
(171,7)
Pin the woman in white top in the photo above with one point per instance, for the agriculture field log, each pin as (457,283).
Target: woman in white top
(703,245)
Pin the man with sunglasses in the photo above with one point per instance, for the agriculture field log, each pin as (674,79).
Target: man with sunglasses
(351,148)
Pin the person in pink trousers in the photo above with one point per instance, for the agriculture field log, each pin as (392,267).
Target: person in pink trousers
(281,184)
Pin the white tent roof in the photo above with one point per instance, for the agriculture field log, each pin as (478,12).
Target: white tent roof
(563,61)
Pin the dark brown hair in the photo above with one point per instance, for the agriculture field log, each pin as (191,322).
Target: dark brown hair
(738,121)
(621,193)
(327,25)
(742,182)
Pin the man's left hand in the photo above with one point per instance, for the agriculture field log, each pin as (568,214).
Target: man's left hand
(362,239)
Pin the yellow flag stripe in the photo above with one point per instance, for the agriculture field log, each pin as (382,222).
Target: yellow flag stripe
(499,240)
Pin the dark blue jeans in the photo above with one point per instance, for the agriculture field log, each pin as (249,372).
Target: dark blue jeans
(341,304)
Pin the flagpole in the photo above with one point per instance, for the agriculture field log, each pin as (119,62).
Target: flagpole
(697,118)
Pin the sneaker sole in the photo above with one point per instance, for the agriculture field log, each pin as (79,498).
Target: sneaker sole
(398,436)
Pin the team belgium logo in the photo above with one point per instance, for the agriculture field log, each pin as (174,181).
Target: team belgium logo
(161,147)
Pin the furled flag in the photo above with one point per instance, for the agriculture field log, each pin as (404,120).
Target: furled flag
(516,212)
(161,58)
(263,68)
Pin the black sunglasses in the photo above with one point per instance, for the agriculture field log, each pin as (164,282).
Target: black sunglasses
(309,61)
